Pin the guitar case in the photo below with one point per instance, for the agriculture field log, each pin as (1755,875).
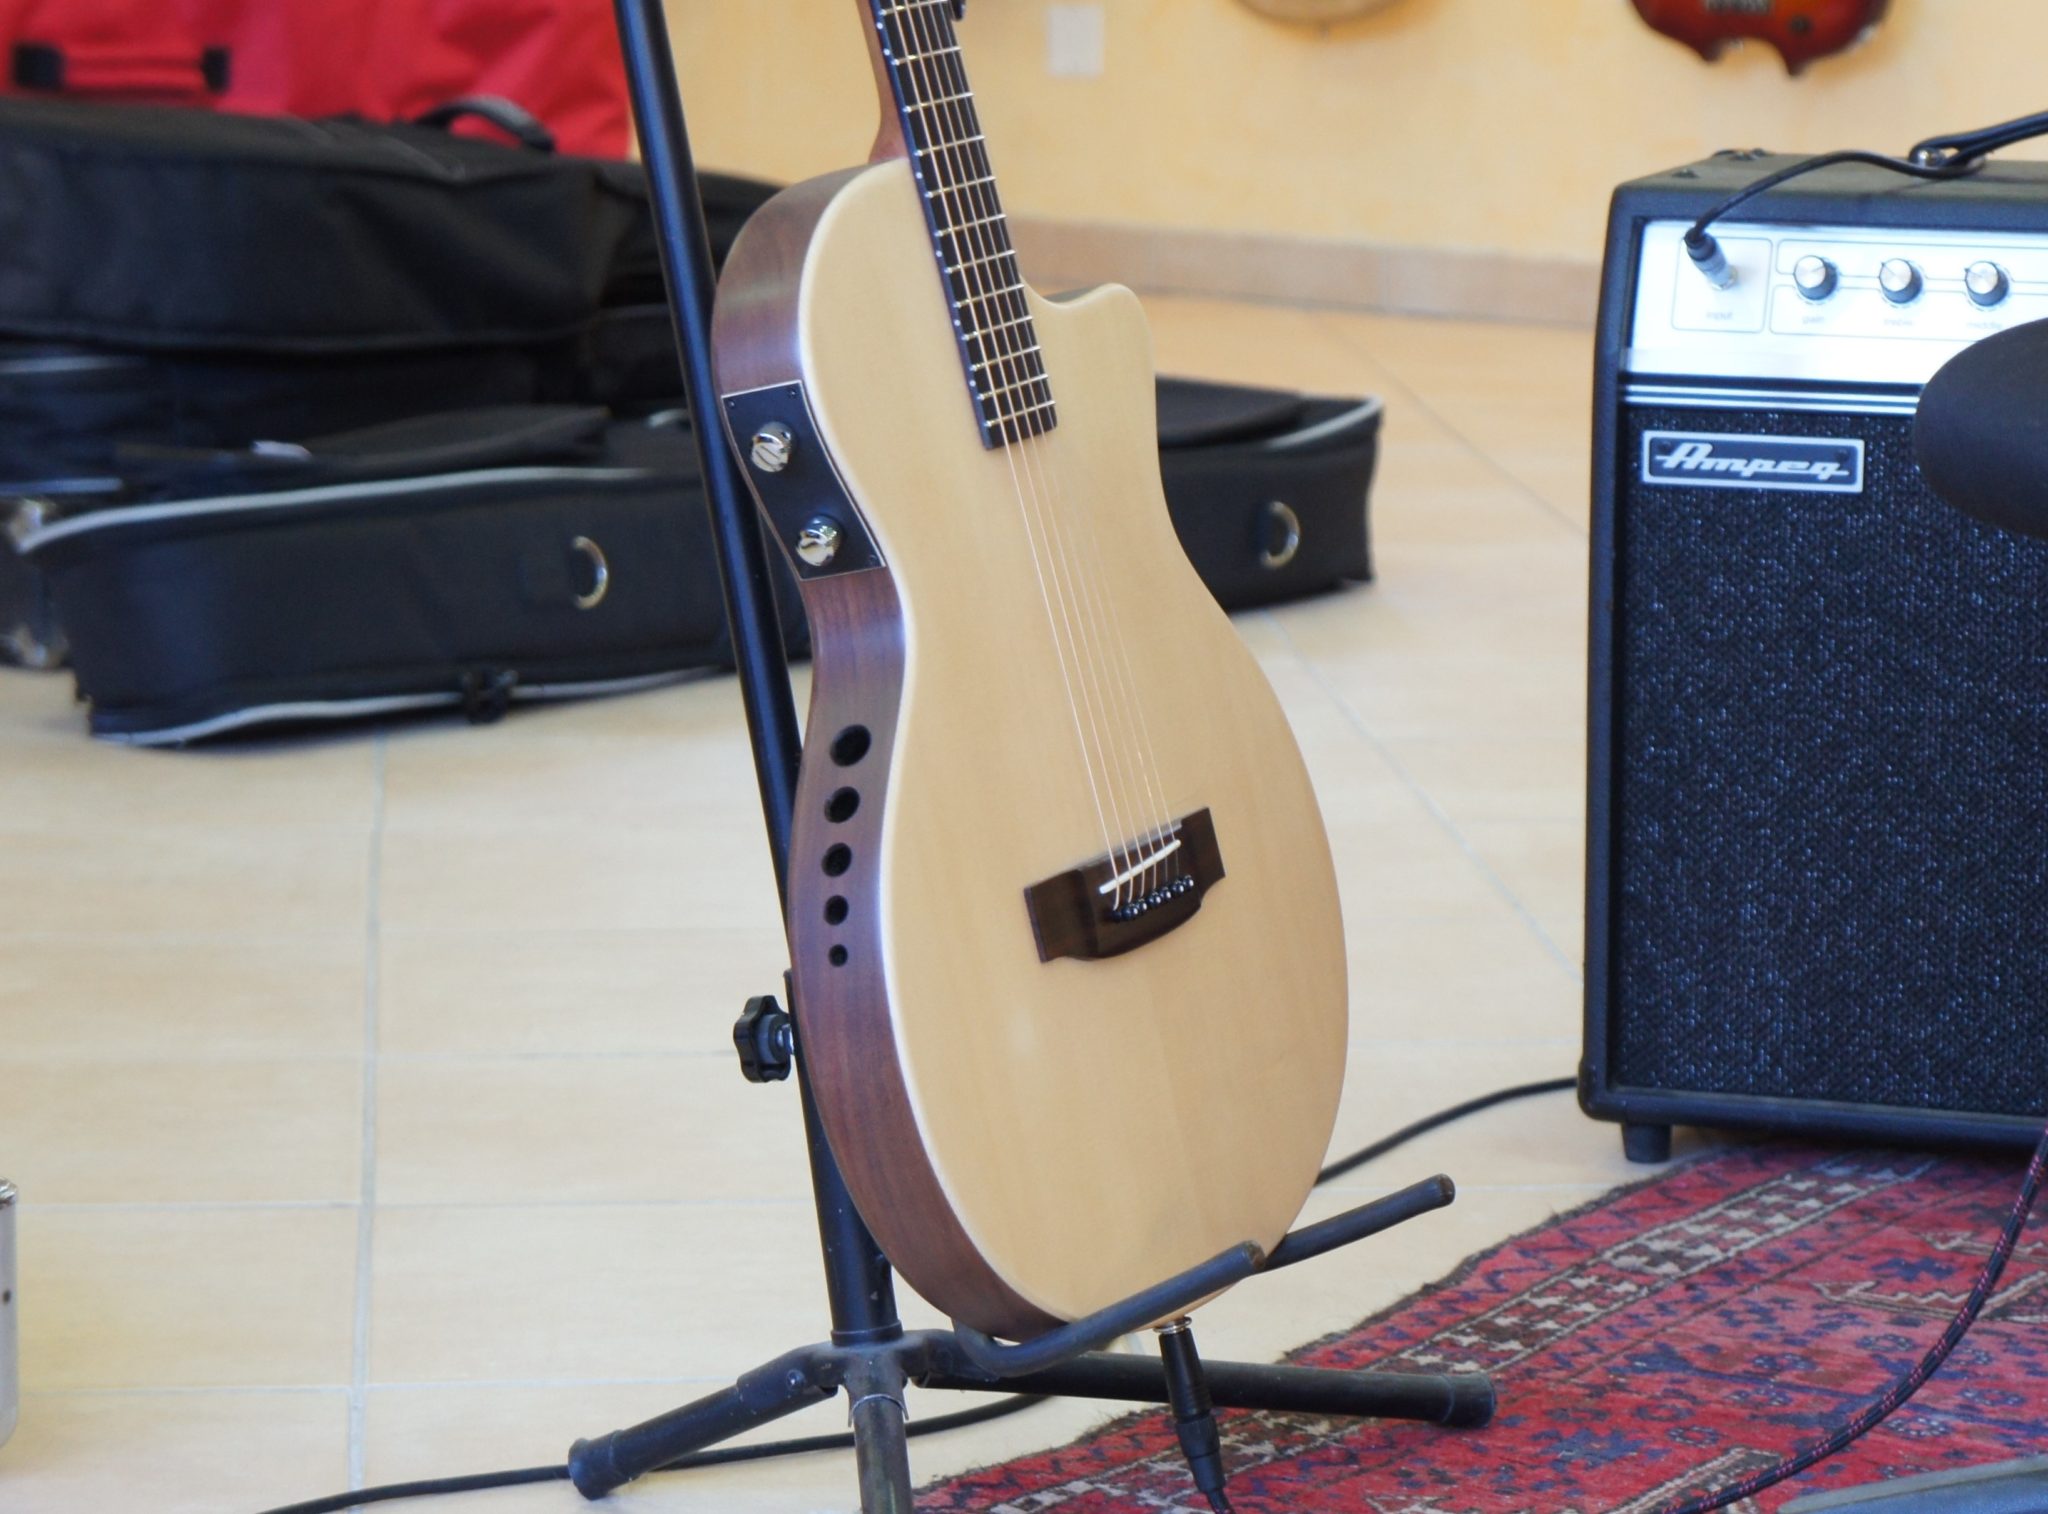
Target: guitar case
(300,420)
(477,559)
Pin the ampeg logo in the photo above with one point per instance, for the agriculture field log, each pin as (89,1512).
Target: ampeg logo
(1697,459)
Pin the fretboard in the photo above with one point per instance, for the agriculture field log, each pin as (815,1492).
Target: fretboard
(969,232)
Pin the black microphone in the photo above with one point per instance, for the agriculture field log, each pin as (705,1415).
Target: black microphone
(1982,430)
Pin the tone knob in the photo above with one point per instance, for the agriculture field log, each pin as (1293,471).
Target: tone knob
(1899,281)
(1815,277)
(1987,284)
(818,543)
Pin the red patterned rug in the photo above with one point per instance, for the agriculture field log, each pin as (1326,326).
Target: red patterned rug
(1667,1339)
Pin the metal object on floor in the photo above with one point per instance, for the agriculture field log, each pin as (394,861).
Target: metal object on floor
(2011,1487)
(870,1356)
(10,1332)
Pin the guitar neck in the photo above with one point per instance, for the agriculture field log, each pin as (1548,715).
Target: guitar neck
(927,93)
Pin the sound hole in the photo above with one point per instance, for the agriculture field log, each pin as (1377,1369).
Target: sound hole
(836,956)
(841,805)
(835,909)
(850,745)
(838,859)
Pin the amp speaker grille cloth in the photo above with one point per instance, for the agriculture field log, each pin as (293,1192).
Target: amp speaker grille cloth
(1831,815)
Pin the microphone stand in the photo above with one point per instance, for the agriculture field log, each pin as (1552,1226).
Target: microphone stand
(870,1355)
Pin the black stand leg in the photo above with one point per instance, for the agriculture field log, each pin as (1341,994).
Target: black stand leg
(1461,1402)
(766,1394)
(881,1434)
(1648,1144)
(870,1356)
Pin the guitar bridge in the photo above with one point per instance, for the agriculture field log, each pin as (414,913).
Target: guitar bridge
(1119,902)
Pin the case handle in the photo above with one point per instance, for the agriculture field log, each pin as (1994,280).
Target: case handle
(153,74)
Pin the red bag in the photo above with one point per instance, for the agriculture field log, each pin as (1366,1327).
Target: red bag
(385,60)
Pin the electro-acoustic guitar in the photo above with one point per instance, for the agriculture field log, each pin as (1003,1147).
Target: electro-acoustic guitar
(1069,966)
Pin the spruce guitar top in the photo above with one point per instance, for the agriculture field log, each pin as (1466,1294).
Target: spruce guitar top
(1069,966)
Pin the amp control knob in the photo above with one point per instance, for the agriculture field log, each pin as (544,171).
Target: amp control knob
(1987,284)
(1899,281)
(1815,277)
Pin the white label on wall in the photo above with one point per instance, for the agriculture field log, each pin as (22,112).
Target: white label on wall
(1073,41)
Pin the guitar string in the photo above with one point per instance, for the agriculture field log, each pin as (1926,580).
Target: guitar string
(1079,550)
(1134,763)
(998,345)
(899,52)
(990,253)
(1146,752)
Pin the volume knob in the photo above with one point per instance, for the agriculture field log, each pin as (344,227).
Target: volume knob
(1815,277)
(1899,281)
(819,541)
(1987,284)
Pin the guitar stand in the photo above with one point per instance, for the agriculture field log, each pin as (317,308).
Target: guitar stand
(871,1357)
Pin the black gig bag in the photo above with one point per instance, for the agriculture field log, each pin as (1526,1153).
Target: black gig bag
(468,561)
(301,420)
(1268,489)
(186,278)
(476,559)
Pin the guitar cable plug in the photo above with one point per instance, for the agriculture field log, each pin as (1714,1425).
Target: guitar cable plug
(1194,1414)
(1708,258)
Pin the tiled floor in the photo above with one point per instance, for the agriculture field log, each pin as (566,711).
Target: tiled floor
(372,1100)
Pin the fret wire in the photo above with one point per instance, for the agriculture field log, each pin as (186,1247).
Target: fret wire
(1028,425)
(1021,320)
(1032,348)
(1010,394)
(989,257)
(967,228)
(939,102)
(959,187)
(1019,386)
(971,301)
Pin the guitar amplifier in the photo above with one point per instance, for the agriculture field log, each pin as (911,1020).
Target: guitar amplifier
(1817,861)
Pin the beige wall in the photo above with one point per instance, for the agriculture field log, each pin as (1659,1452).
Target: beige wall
(1489,125)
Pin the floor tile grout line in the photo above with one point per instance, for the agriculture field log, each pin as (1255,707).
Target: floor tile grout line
(1429,801)
(1485,455)
(366,1208)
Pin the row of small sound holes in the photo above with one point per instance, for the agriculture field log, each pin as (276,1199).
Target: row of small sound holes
(848,747)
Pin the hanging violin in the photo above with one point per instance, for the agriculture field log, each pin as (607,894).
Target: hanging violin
(1801,30)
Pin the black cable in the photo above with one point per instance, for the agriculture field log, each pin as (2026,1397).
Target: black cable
(723,1456)
(1880,1410)
(1975,144)
(1945,157)
(1948,169)
(1428,1123)
(1791,1466)
(842,1440)
(427,1488)
(1016,1403)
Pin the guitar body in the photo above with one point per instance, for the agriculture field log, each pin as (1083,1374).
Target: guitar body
(1801,30)
(1029,1139)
